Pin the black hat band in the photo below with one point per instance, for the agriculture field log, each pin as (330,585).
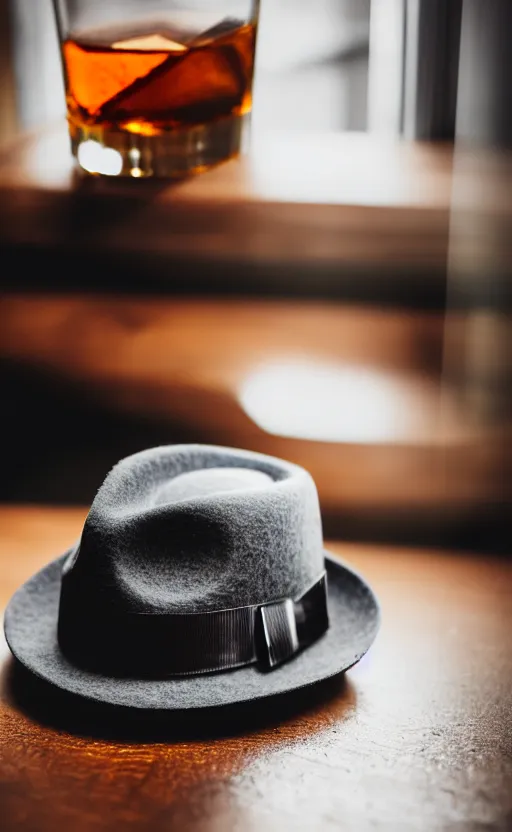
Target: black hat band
(160,644)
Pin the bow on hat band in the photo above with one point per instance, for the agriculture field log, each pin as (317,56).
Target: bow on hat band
(191,643)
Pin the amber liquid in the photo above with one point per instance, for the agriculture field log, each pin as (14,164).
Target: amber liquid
(156,85)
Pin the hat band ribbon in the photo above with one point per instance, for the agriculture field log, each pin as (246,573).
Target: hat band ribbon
(157,644)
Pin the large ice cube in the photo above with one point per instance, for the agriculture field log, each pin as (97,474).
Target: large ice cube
(198,77)
(153,43)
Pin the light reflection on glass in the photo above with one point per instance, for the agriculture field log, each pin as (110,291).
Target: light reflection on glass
(95,158)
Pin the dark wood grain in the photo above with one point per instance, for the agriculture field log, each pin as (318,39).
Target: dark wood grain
(417,738)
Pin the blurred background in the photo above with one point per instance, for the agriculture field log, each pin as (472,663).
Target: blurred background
(347,307)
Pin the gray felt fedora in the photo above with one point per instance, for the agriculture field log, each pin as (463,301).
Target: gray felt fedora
(199,580)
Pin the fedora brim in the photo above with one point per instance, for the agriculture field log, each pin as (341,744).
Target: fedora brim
(31,633)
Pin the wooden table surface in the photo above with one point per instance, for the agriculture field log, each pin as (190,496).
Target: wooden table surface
(417,737)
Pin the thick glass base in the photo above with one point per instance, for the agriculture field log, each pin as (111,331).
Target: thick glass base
(173,154)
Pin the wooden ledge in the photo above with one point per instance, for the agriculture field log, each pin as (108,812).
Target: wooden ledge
(339,202)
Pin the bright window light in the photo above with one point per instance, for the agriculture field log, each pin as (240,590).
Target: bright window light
(330,403)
